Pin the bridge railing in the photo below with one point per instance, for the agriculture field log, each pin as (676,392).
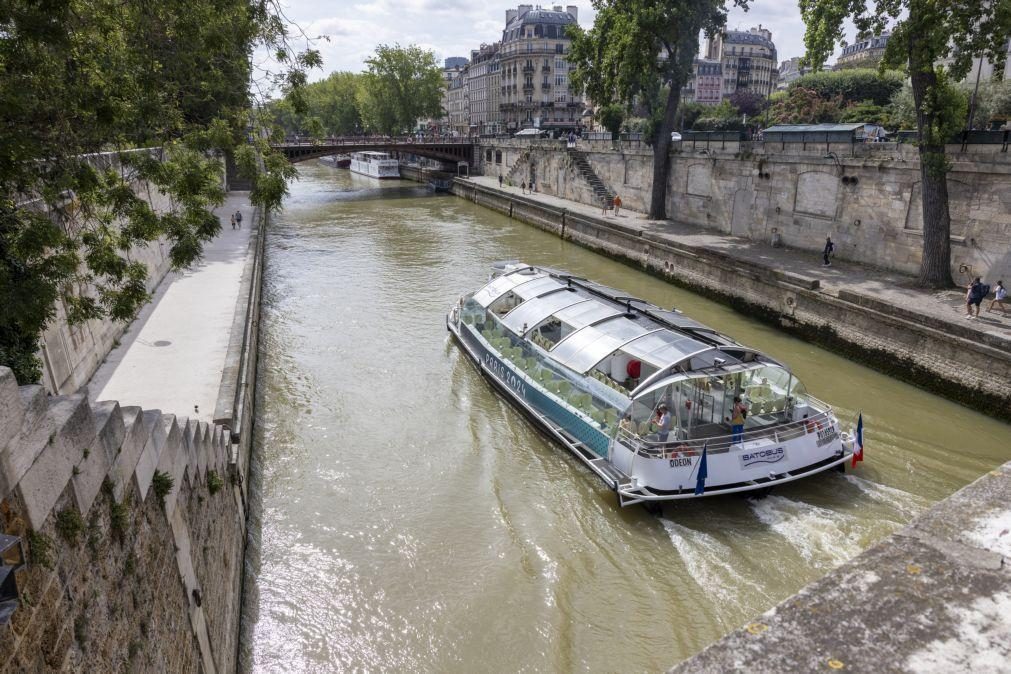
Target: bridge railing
(378,141)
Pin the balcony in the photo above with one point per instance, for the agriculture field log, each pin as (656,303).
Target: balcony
(529,69)
(545,86)
(528,87)
(545,69)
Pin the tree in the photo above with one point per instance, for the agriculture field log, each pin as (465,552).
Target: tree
(748,103)
(611,118)
(853,86)
(804,106)
(401,86)
(641,46)
(925,33)
(113,76)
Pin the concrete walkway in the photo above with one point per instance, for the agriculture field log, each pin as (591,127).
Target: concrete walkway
(892,288)
(172,356)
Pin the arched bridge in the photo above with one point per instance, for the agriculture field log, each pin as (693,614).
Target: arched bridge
(445,149)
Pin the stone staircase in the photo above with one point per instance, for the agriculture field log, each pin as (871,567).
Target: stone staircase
(517,172)
(582,164)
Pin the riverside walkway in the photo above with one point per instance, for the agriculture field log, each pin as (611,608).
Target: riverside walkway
(172,356)
(890,288)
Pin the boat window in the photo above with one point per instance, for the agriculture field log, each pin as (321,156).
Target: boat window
(533,311)
(581,315)
(504,304)
(663,348)
(537,287)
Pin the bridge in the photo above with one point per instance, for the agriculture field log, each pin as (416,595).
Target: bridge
(442,149)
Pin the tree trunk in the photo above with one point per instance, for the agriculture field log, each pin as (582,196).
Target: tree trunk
(661,155)
(935,265)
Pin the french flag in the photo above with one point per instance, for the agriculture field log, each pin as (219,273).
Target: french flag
(858,443)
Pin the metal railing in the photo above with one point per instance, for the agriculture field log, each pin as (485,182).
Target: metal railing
(654,449)
(378,141)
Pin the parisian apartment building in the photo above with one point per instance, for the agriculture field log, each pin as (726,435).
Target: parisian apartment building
(735,60)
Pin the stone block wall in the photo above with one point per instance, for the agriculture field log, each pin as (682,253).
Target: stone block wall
(124,572)
(865,196)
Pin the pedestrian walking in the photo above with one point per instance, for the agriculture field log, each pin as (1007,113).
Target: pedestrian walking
(523,186)
(238,218)
(533,187)
(233,220)
(974,296)
(500,182)
(1000,294)
(606,204)
(617,205)
(827,252)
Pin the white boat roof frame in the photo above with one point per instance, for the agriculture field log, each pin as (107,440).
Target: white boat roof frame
(594,340)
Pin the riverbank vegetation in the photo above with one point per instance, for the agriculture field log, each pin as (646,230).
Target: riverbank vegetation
(81,77)
(400,86)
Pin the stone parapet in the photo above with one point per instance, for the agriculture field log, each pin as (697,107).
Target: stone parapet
(935,596)
(134,528)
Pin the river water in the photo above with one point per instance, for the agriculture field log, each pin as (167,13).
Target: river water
(413,520)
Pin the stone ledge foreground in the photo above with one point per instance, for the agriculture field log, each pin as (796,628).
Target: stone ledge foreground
(933,597)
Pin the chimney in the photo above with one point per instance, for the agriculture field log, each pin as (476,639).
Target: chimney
(523,9)
(556,8)
(510,15)
(574,11)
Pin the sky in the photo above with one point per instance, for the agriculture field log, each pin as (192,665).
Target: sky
(454,27)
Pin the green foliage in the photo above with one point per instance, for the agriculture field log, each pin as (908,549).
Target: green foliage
(70,524)
(162,483)
(331,108)
(40,549)
(119,518)
(804,106)
(866,112)
(401,86)
(993,102)
(637,48)
(111,76)
(214,482)
(611,117)
(852,86)
(902,110)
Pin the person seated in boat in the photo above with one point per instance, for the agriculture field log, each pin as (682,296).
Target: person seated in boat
(662,421)
(626,424)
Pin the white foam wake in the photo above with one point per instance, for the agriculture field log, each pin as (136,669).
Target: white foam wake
(906,504)
(708,563)
(824,538)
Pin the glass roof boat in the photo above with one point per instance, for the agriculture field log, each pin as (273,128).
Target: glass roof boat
(641,394)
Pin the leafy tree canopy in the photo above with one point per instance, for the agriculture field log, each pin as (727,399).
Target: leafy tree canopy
(401,86)
(90,76)
(852,86)
(636,47)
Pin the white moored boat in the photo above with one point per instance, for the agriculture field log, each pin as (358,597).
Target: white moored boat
(375,165)
(593,367)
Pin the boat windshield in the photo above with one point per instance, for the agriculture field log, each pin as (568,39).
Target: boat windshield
(702,407)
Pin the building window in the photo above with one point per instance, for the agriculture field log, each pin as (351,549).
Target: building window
(498,156)
(559,49)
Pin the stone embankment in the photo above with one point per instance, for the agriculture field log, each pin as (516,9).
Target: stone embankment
(134,531)
(866,196)
(935,596)
(961,361)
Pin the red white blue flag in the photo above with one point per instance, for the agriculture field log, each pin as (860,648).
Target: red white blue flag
(858,442)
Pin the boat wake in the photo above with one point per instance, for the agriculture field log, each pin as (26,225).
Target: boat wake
(823,537)
(708,563)
(908,505)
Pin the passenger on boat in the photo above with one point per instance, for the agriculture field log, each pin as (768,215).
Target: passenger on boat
(739,414)
(627,424)
(662,422)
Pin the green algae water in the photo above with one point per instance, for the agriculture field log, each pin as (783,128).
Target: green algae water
(412,520)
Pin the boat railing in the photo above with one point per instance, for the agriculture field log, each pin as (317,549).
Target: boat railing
(653,448)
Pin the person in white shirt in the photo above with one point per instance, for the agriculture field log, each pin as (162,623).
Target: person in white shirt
(999,295)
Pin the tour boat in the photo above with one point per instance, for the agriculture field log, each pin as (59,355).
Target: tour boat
(336,161)
(375,165)
(595,368)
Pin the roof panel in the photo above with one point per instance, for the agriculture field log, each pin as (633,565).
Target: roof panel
(663,348)
(501,285)
(585,348)
(533,311)
(537,287)
(581,315)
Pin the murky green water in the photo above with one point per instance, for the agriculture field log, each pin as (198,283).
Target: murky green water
(414,521)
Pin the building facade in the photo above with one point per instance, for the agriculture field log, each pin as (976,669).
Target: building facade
(458,104)
(789,71)
(483,89)
(534,76)
(740,61)
(870,50)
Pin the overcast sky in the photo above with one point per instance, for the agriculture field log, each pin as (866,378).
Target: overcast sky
(454,27)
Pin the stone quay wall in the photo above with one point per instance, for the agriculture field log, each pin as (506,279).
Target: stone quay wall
(71,353)
(942,358)
(865,196)
(134,530)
